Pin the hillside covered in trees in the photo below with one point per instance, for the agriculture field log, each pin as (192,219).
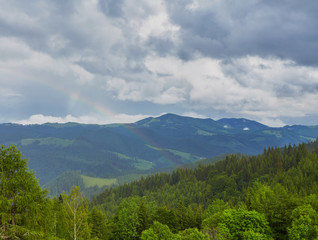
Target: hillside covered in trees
(151,145)
(269,196)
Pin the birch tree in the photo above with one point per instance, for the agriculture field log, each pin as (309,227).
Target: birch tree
(76,209)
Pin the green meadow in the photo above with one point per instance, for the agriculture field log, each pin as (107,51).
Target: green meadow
(99,182)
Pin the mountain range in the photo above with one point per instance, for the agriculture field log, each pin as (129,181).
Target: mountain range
(147,146)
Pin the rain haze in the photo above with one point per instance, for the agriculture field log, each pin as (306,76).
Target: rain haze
(109,61)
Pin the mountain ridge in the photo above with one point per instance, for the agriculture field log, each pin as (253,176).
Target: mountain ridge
(143,147)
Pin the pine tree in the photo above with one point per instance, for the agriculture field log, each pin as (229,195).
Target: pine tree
(126,223)
(100,227)
(143,218)
(181,214)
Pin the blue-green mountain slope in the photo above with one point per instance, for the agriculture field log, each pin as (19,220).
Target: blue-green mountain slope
(149,145)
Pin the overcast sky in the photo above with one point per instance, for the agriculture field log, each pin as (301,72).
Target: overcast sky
(103,61)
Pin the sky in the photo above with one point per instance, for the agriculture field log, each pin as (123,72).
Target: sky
(105,61)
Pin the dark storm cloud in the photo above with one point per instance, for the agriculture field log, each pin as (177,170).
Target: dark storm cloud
(161,46)
(283,29)
(218,29)
(112,8)
(35,23)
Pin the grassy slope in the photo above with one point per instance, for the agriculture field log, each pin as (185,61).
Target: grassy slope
(99,182)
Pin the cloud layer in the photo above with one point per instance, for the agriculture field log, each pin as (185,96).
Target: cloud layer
(254,59)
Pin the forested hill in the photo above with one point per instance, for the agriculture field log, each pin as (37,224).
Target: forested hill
(272,195)
(268,196)
(147,146)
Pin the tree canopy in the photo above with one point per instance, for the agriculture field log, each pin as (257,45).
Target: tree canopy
(23,204)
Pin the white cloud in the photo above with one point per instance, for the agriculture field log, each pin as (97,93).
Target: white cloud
(192,6)
(117,118)
(272,122)
(82,75)
(27,63)
(158,26)
(15,16)
(172,95)
(149,19)
(159,91)
(133,91)
(194,115)
(57,43)
(253,86)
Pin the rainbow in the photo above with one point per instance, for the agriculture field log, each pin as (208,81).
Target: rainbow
(149,141)
(76,97)
(107,112)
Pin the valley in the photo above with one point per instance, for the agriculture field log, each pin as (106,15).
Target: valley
(119,153)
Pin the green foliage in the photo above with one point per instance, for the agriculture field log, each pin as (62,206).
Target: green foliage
(143,218)
(59,219)
(65,182)
(276,203)
(223,222)
(193,234)
(127,220)
(167,217)
(101,227)
(76,211)
(304,223)
(158,231)
(237,222)
(213,216)
(251,235)
(23,205)
(129,178)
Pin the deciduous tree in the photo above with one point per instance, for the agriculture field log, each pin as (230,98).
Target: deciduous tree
(23,205)
(76,209)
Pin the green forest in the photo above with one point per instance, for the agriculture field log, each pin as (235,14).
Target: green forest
(273,195)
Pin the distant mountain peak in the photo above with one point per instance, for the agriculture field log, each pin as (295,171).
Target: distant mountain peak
(168,118)
(168,115)
(173,116)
